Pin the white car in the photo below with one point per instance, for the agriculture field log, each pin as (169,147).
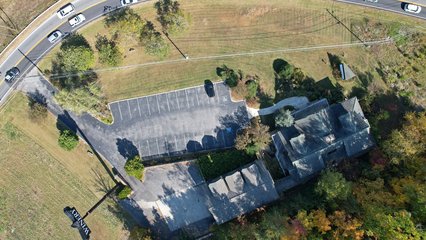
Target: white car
(412,8)
(128,2)
(65,10)
(54,36)
(77,19)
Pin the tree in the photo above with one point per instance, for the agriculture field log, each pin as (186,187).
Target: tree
(70,68)
(152,40)
(333,186)
(76,59)
(284,118)
(406,144)
(346,227)
(84,99)
(124,193)
(139,233)
(109,54)
(68,140)
(229,76)
(398,226)
(252,86)
(170,16)
(134,167)
(253,138)
(37,109)
(126,21)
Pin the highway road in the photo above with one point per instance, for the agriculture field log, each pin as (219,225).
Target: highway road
(32,49)
(387,5)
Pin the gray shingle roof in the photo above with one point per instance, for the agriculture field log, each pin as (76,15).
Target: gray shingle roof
(258,189)
(319,128)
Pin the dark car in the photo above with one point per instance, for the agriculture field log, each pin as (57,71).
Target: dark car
(12,74)
(209,87)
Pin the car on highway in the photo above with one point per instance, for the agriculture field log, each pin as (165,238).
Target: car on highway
(54,36)
(412,8)
(76,20)
(12,74)
(65,10)
(372,1)
(128,2)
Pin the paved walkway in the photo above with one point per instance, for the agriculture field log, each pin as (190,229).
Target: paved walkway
(296,102)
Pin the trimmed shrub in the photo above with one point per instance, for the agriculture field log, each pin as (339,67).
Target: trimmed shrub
(68,140)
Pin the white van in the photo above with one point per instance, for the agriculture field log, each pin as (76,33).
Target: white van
(65,10)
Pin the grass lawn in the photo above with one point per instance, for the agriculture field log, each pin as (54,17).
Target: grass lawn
(39,179)
(17,15)
(216,164)
(234,26)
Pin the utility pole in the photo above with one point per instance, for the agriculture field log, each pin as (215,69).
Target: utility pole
(341,23)
(184,55)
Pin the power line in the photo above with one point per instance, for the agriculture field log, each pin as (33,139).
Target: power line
(230,55)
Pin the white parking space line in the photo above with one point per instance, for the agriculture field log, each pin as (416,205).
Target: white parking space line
(130,111)
(176,143)
(149,149)
(147,103)
(216,91)
(119,109)
(186,95)
(177,100)
(198,102)
(158,148)
(166,146)
(168,105)
(139,108)
(158,105)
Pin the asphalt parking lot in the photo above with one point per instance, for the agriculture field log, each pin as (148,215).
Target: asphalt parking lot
(186,120)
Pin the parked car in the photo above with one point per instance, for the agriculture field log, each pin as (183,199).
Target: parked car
(12,74)
(76,20)
(65,10)
(128,2)
(209,88)
(412,8)
(54,36)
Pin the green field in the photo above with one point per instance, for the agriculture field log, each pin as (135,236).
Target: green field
(233,27)
(39,179)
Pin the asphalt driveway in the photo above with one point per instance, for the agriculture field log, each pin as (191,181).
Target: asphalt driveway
(167,124)
(180,121)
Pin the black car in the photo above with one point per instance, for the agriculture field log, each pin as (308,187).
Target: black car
(209,87)
(12,74)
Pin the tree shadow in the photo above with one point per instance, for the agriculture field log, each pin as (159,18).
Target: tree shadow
(103,183)
(36,97)
(278,65)
(335,62)
(74,40)
(126,148)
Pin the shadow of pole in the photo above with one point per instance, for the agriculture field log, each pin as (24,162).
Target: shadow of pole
(67,120)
